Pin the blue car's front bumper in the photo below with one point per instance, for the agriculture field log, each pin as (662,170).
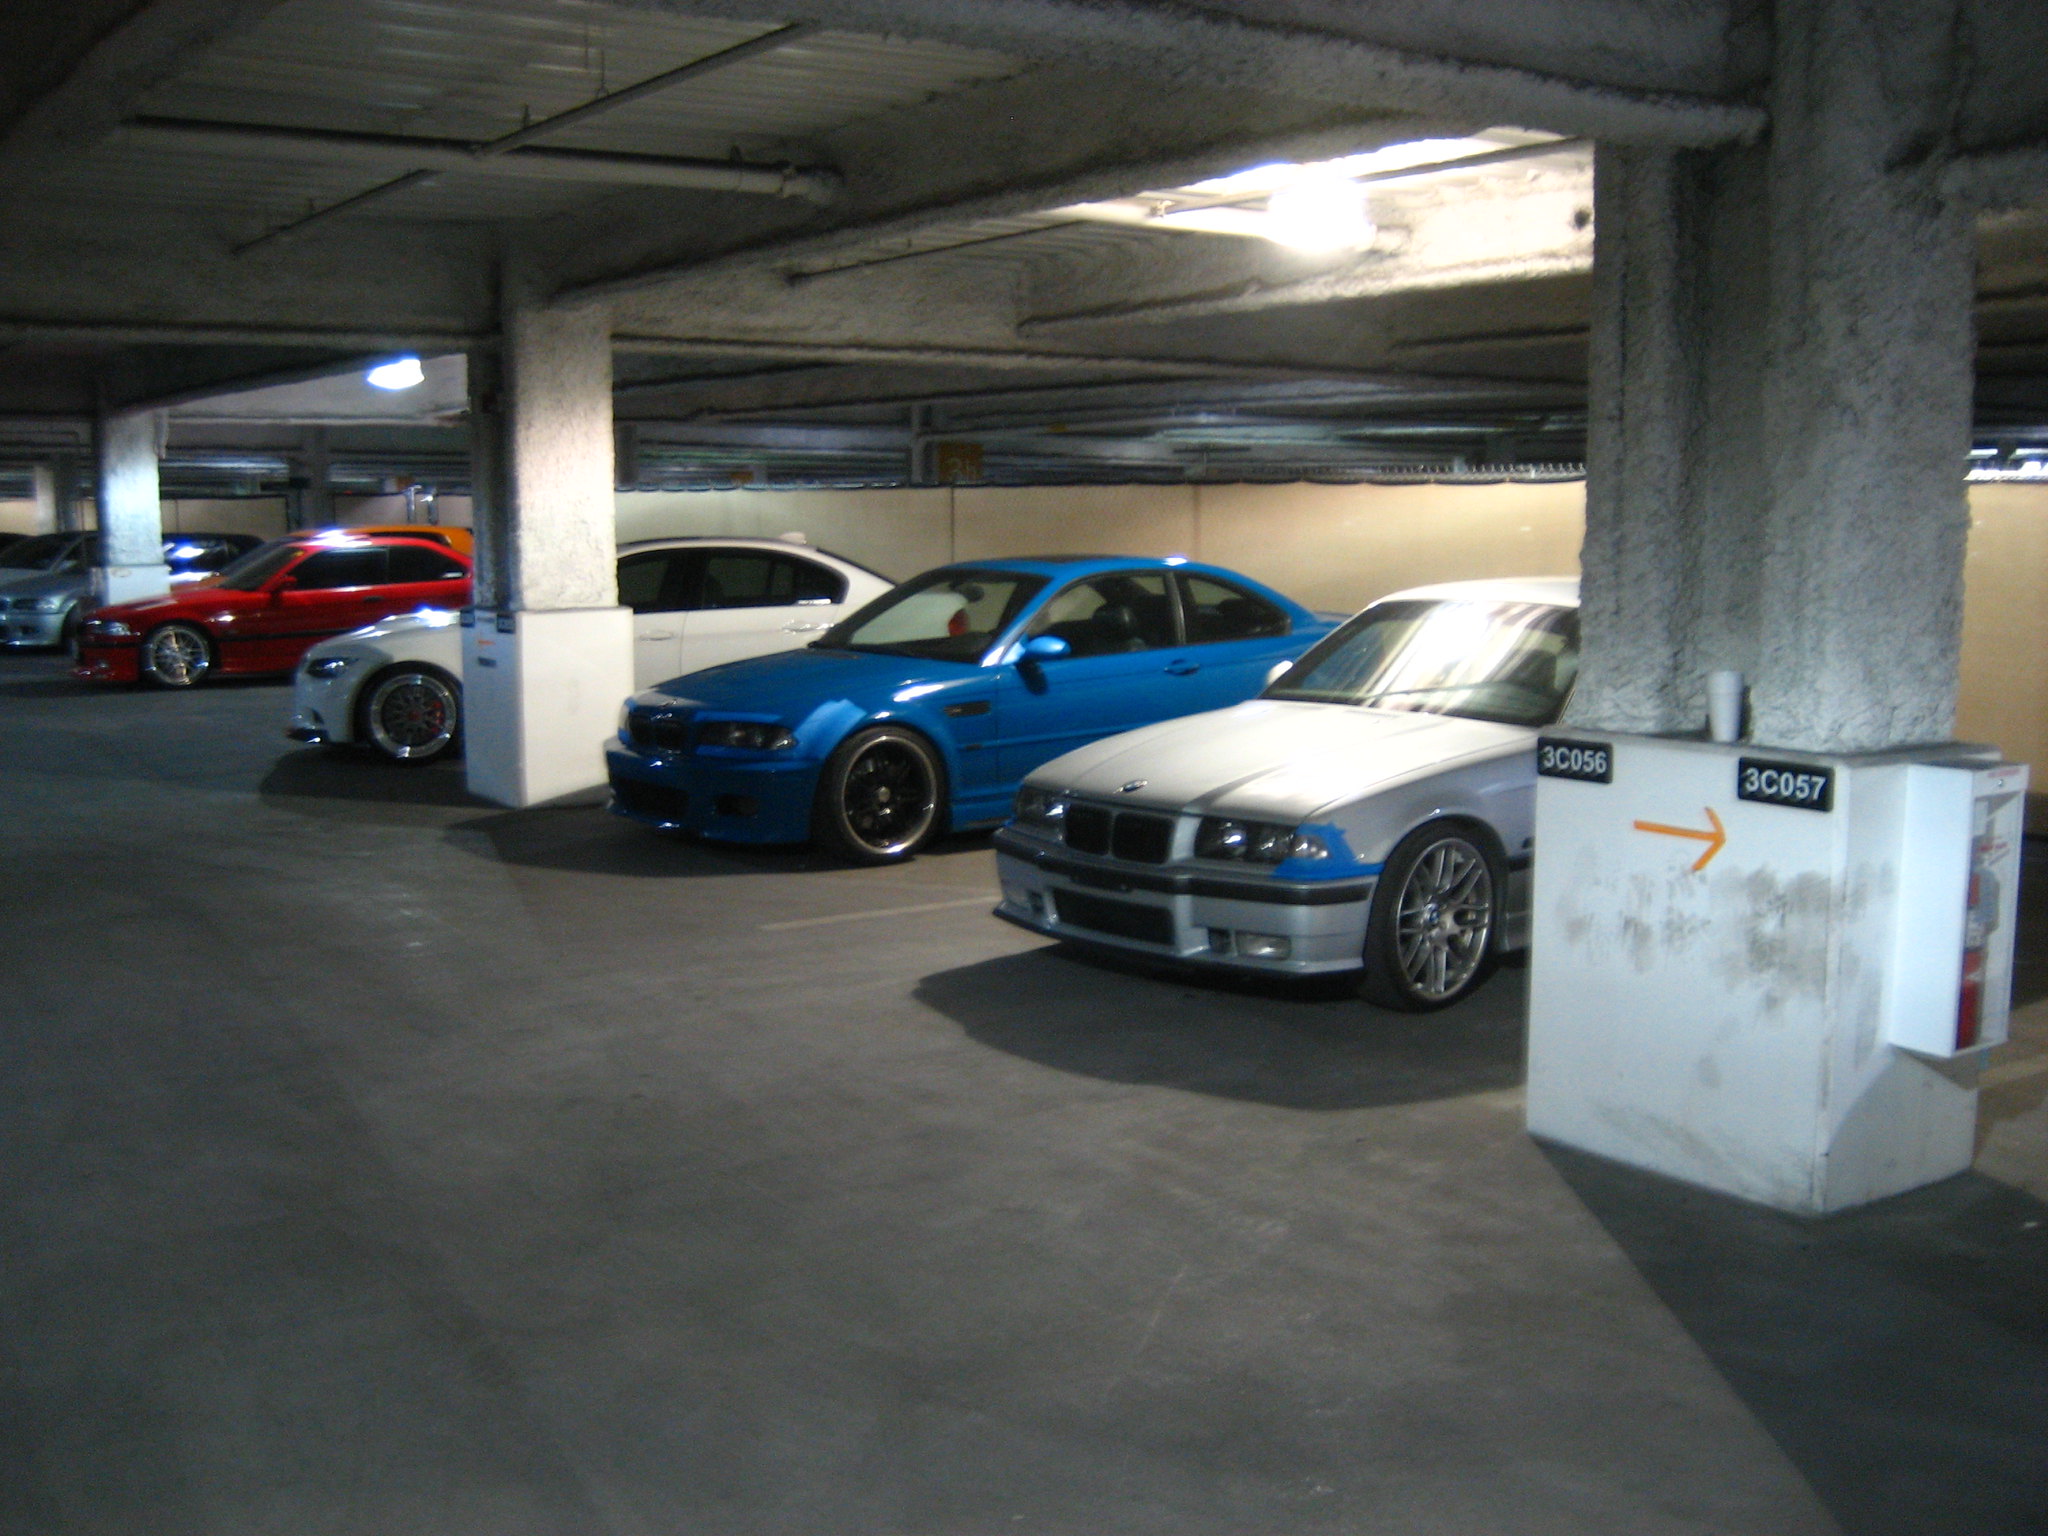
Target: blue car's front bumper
(732,799)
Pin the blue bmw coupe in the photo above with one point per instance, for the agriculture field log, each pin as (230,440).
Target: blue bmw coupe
(920,712)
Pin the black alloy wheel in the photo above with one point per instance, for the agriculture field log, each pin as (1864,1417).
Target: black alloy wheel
(879,796)
(1434,932)
(412,714)
(176,656)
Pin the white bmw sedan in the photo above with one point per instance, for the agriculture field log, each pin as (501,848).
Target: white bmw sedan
(397,685)
(1371,811)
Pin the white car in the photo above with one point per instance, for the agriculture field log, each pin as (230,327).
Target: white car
(397,686)
(1373,810)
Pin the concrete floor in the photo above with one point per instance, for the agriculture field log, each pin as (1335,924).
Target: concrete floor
(375,1161)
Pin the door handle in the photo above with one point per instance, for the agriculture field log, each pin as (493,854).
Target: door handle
(655,634)
(1182,667)
(794,628)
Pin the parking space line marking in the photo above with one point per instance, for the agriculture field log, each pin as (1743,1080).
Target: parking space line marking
(854,917)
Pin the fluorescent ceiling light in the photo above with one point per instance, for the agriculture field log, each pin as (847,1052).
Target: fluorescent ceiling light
(1319,211)
(401,373)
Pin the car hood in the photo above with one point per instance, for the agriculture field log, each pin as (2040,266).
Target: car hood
(791,684)
(430,625)
(52,584)
(1277,759)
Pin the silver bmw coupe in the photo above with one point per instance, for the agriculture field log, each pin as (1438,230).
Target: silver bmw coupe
(1372,810)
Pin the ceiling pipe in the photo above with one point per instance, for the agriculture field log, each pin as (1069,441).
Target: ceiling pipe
(444,155)
(779,37)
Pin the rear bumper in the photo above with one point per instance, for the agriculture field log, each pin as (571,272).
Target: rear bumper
(1189,918)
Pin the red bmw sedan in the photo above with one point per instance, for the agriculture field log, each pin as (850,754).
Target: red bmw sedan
(261,613)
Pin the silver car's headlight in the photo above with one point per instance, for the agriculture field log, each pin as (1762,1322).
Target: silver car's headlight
(1255,842)
(1043,810)
(55,603)
(328,666)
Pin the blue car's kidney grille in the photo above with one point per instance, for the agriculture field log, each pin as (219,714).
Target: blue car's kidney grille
(1135,835)
(656,801)
(659,733)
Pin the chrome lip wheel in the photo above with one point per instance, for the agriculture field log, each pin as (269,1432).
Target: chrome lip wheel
(1444,918)
(412,715)
(177,656)
(888,801)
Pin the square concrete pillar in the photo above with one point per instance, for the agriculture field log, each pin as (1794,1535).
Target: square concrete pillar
(548,658)
(131,520)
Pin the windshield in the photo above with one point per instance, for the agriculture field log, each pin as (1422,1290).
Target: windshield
(259,565)
(1509,662)
(35,553)
(946,615)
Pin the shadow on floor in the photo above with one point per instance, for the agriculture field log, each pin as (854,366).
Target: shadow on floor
(336,773)
(1898,1354)
(1293,1048)
(584,838)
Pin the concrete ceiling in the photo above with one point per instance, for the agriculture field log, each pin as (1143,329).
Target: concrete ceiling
(828,238)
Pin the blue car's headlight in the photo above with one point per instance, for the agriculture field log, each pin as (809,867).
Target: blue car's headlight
(1255,842)
(1043,810)
(748,735)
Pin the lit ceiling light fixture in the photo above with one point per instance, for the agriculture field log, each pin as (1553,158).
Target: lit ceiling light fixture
(1320,211)
(400,373)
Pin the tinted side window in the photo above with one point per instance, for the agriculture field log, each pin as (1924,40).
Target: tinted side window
(342,568)
(1126,611)
(649,583)
(1218,611)
(411,563)
(749,580)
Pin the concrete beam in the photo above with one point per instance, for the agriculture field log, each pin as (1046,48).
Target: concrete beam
(152,44)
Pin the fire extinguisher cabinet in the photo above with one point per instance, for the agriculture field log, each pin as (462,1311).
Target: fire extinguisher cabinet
(1773,974)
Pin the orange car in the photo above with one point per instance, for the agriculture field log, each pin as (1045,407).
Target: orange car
(461,540)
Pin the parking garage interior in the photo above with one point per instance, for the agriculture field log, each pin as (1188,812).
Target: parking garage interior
(428,1150)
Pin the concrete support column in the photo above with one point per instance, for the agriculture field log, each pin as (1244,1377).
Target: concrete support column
(64,488)
(131,554)
(43,491)
(1781,386)
(314,506)
(548,659)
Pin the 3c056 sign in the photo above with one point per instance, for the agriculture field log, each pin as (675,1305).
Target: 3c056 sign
(1799,785)
(1591,761)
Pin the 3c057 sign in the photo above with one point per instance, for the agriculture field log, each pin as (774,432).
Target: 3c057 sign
(1591,761)
(1799,785)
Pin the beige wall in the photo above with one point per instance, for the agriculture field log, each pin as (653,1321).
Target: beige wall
(17,517)
(260,515)
(896,532)
(2005,624)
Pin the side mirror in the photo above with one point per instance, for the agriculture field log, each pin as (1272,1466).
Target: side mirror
(1044,648)
(1275,672)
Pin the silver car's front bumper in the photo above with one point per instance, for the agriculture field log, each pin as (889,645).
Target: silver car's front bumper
(1194,919)
(21,626)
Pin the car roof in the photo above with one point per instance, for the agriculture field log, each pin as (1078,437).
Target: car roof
(1560,590)
(1081,565)
(784,546)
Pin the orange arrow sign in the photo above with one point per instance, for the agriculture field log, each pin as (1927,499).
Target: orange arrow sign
(1715,840)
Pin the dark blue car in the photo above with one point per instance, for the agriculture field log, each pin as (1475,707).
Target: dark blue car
(921,711)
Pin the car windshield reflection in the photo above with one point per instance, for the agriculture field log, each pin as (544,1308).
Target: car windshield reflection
(258,566)
(944,615)
(1512,663)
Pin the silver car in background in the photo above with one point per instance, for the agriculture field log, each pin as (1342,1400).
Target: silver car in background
(47,588)
(1371,811)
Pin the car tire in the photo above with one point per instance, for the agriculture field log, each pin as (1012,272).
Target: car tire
(410,714)
(1434,931)
(881,796)
(67,632)
(176,656)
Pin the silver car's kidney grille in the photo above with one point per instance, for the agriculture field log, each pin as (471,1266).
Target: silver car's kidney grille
(1140,836)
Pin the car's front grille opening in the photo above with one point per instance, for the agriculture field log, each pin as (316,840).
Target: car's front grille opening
(1139,836)
(659,733)
(1088,829)
(1123,919)
(653,800)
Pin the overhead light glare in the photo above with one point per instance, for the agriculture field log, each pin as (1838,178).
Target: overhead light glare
(1319,212)
(400,373)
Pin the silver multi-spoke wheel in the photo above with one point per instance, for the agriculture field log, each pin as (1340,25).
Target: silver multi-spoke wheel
(1432,927)
(878,799)
(413,714)
(176,656)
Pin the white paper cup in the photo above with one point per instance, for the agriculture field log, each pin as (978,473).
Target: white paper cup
(1724,706)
